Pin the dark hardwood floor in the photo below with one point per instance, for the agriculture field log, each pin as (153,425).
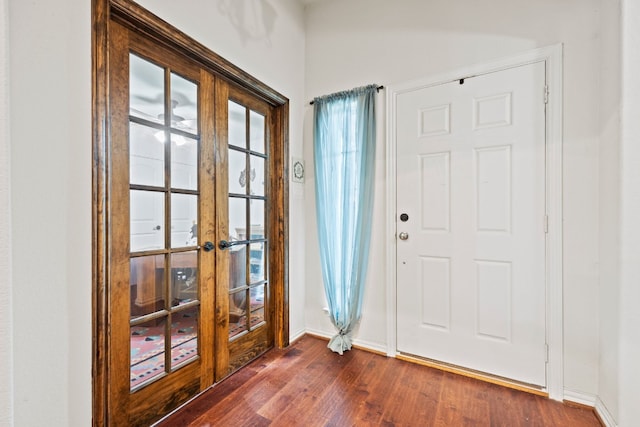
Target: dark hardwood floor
(308,385)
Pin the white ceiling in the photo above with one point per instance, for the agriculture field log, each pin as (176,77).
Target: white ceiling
(310,1)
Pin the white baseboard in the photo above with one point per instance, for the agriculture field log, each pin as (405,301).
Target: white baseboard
(604,414)
(593,401)
(296,335)
(581,398)
(318,333)
(376,348)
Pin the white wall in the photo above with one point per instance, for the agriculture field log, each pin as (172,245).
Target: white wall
(355,42)
(266,39)
(629,369)
(6,310)
(609,197)
(50,109)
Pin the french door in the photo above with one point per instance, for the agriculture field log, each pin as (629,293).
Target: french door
(246,231)
(161,301)
(193,195)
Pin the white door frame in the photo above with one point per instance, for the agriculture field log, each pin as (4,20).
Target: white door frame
(6,284)
(552,56)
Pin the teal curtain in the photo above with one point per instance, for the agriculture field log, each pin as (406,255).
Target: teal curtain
(344,154)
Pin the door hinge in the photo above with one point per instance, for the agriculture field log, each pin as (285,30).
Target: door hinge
(546,94)
(546,353)
(546,224)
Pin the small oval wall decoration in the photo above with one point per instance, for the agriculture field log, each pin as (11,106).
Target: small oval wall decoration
(298,170)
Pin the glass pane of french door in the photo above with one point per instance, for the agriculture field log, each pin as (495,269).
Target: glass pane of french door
(164,200)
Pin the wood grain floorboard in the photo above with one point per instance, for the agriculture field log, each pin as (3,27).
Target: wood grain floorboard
(308,385)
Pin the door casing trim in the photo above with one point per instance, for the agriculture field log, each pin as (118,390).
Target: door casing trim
(552,57)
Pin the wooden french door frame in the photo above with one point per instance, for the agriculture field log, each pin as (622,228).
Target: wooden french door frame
(132,16)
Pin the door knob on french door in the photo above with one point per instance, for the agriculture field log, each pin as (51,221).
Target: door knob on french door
(403,236)
(224,244)
(208,246)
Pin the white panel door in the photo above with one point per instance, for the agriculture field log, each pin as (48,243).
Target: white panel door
(471,181)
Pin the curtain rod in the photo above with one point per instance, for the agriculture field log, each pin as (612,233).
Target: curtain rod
(378,89)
